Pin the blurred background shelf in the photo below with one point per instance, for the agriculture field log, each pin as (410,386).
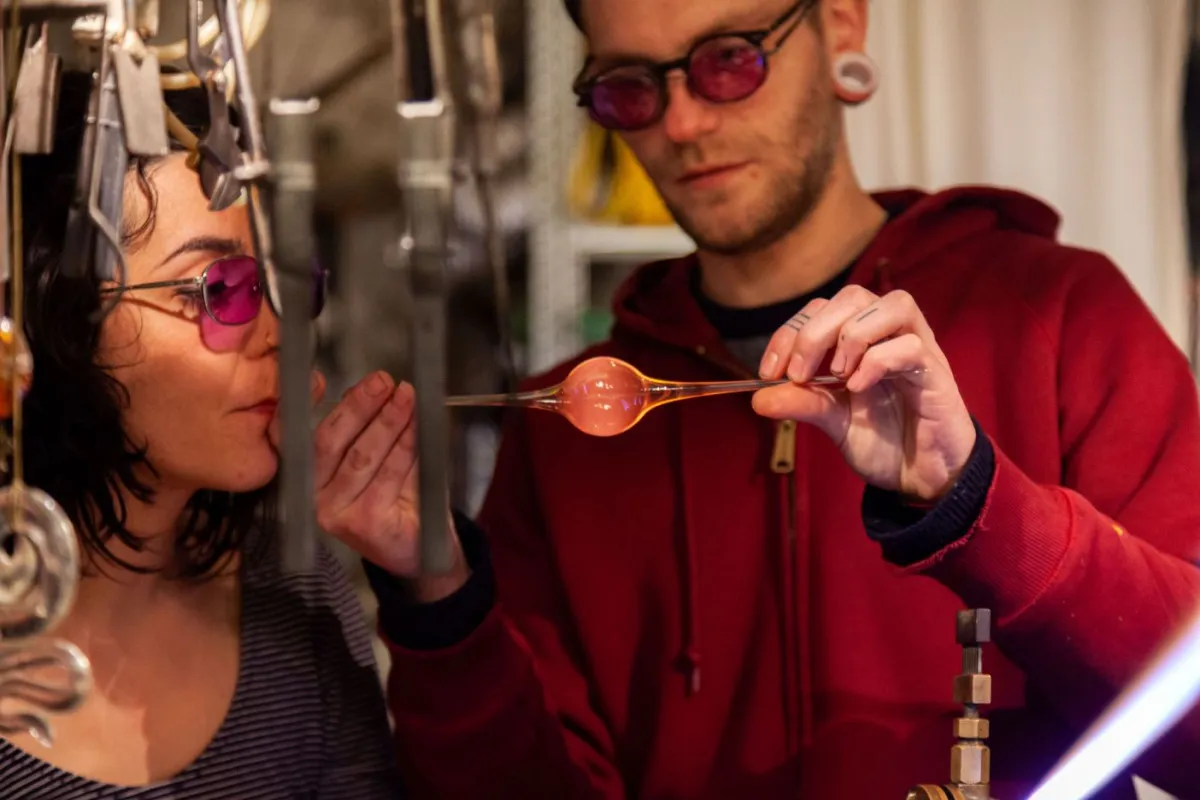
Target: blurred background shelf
(628,242)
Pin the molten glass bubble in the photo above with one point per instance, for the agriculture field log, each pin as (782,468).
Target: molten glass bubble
(604,397)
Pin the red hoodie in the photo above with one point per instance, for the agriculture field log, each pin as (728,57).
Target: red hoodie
(694,610)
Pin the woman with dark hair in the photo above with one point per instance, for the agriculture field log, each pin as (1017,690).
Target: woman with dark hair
(154,426)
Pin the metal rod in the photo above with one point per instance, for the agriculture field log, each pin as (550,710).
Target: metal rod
(481,59)
(255,168)
(426,112)
(293,185)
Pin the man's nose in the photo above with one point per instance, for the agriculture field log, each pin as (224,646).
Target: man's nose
(687,117)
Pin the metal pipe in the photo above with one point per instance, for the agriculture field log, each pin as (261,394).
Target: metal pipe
(427,119)
(255,167)
(293,185)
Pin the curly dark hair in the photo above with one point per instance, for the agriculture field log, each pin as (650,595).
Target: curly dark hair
(78,450)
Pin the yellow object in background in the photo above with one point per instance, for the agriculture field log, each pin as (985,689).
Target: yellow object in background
(608,184)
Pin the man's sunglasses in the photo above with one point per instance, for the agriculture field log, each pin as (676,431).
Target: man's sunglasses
(722,68)
(231,293)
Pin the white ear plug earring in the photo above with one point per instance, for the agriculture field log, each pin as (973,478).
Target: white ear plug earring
(855,76)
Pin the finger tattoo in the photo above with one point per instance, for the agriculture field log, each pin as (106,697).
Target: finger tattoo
(868,313)
(797,322)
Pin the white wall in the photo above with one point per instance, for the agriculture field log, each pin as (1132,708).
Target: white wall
(1076,101)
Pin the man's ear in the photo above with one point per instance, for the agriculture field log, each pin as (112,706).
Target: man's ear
(855,75)
(844,24)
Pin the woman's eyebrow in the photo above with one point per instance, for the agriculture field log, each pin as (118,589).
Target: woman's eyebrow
(217,245)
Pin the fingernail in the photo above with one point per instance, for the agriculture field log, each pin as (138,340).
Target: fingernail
(376,386)
(795,368)
(768,365)
(314,382)
(839,363)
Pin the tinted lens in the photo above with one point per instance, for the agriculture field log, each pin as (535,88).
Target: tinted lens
(626,98)
(232,290)
(727,69)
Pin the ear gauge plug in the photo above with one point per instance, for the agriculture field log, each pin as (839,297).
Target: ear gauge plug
(855,76)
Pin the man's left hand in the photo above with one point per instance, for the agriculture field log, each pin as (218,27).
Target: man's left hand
(899,421)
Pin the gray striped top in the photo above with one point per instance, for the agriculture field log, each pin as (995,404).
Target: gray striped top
(307,719)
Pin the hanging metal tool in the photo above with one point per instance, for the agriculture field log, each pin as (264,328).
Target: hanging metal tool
(253,169)
(426,175)
(217,153)
(110,164)
(125,120)
(39,557)
(35,99)
(480,57)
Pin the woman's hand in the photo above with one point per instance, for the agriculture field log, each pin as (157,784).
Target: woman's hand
(365,471)
(900,422)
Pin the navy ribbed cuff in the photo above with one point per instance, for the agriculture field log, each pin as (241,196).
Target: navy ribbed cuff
(445,623)
(909,535)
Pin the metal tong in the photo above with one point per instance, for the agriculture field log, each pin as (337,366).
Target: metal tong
(217,152)
(426,176)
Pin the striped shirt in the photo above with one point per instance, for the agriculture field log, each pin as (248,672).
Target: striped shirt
(307,718)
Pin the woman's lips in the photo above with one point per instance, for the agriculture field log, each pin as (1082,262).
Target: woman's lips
(267,408)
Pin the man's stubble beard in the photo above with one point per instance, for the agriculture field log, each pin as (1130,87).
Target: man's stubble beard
(787,198)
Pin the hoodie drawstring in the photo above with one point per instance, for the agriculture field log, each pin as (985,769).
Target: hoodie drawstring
(690,655)
(802,596)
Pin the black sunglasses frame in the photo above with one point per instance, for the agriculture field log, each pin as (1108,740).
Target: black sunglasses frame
(659,70)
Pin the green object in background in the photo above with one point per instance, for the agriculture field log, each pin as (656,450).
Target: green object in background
(596,324)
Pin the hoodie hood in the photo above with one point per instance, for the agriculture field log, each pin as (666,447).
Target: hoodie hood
(656,301)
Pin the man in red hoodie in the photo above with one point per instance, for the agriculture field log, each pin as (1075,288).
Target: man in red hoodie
(723,603)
